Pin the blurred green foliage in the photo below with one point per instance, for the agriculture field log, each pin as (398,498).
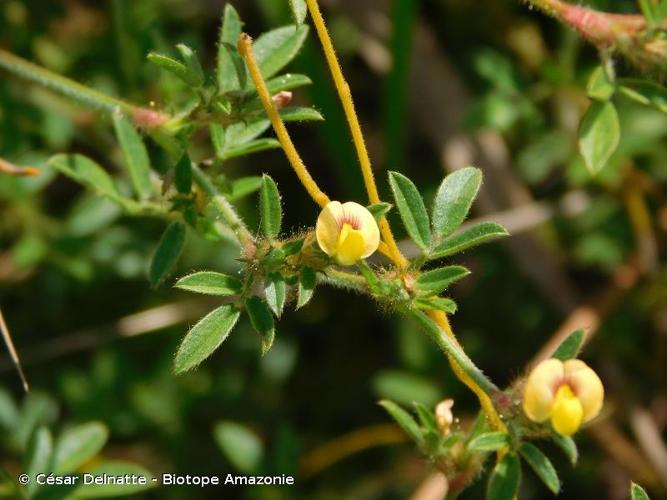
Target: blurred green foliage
(73,267)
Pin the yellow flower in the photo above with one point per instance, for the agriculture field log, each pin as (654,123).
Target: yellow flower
(347,232)
(569,393)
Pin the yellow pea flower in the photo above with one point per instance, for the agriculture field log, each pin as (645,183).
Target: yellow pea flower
(569,393)
(347,232)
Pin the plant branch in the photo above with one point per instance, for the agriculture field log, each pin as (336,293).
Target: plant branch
(223,206)
(438,328)
(143,117)
(345,96)
(4,331)
(245,49)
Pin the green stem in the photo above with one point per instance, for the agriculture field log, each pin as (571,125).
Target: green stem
(449,347)
(143,117)
(223,206)
(343,279)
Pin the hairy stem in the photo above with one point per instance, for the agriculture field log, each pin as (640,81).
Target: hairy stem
(438,327)
(345,96)
(245,48)
(223,206)
(143,117)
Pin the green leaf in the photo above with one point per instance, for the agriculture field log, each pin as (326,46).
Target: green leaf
(568,446)
(238,64)
(542,466)
(299,10)
(571,346)
(599,135)
(436,281)
(240,445)
(411,208)
(300,114)
(262,321)
(379,210)
(655,11)
(307,282)
(271,212)
(251,147)
(404,420)
(183,175)
(244,186)
(86,172)
(474,235)
(637,492)
(167,253)
(40,450)
(193,65)
(276,48)
(276,293)
(229,34)
(436,303)
(599,87)
(176,68)
(218,139)
(426,417)
(78,445)
(205,337)
(505,479)
(490,441)
(242,132)
(454,199)
(210,283)
(645,92)
(288,81)
(135,154)
(114,468)
(9,413)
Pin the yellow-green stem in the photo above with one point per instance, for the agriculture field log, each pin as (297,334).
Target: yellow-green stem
(345,96)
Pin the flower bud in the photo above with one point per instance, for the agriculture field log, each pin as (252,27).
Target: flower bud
(347,232)
(444,416)
(568,393)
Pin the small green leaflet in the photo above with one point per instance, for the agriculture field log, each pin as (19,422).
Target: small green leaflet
(379,210)
(299,10)
(262,321)
(541,465)
(454,199)
(567,445)
(571,346)
(229,34)
(469,237)
(436,281)
(276,48)
(645,92)
(174,67)
(193,65)
(87,172)
(599,135)
(210,283)
(135,154)
(411,208)
(490,441)
(183,175)
(270,208)
(439,303)
(205,337)
(276,293)
(78,445)
(167,253)
(505,479)
(307,282)
(40,450)
(404,420)
(637,492)
(599,87)
(241,446)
